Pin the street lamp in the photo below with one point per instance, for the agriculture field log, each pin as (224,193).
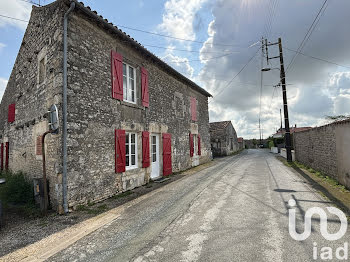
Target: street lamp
(265,69)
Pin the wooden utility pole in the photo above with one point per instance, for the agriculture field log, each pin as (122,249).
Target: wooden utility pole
(287,136)
(285,105)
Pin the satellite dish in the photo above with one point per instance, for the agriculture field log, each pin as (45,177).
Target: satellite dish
(53,118)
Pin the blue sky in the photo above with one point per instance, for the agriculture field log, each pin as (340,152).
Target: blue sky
(226,31)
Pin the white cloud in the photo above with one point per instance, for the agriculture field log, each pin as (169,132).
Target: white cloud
(3,83)
(181,64)
(2,45)
(179,17)
(315,88)
(16,9)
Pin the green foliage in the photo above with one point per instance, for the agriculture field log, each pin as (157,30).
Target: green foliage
(124,194)
(271,144)
(338,118)
(17,190)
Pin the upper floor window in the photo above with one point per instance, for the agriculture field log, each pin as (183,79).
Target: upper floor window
(129,83)
(130,150)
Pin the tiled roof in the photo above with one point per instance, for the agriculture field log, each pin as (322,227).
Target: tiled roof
(104,22)
(215,126)
(293,130)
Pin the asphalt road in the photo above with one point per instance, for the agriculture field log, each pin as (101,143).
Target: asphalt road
(236,210)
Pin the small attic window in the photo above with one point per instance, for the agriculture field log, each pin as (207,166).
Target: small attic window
(42,70)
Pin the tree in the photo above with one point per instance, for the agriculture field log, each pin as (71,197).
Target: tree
(337,118)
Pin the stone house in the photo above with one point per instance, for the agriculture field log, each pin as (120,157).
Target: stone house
(241,143)
(223,138)
(125,115)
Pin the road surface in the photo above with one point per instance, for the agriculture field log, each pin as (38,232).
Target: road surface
(236,210)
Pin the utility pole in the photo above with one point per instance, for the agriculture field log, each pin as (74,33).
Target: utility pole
(284,94)
(285,104)
(281,118)
(261,82)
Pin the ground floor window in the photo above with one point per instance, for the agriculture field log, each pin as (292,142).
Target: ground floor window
(195,145)
(130,150)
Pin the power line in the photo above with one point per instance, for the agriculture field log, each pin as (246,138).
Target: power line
(172,37)
(30,2)
(311,28)
(184,50)
(233,78)
(196,60)
(317,58)
(13,18)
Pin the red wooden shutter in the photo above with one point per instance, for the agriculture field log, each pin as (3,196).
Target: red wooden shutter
(2,156)
(144,87)
(119,151)
(117,75)
(191,145)
(11,113)
(7,156)
(199,145)
(145,149)
(194,109)
(167,168)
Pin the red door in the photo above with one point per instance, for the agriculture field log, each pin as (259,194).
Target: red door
(167,168)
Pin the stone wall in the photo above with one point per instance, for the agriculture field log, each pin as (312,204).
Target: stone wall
(93,115)
(42,40)
(326,149)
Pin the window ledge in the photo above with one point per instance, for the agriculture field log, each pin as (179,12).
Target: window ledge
(129,104)
(131,168)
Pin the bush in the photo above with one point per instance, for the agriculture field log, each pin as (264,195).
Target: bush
(17,190)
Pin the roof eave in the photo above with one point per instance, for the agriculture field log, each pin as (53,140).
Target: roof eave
(136,45)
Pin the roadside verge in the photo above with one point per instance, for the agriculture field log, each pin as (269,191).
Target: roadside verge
(325,185)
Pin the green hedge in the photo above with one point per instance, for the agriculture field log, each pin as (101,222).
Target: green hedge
(17,189)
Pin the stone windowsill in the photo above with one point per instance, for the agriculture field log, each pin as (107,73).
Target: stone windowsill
(124,103)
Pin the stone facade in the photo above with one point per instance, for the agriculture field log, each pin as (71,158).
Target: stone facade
(223,138)
(93,115)
(42,41)
(327,149)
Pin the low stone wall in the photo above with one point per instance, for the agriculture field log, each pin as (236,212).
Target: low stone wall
(327,149)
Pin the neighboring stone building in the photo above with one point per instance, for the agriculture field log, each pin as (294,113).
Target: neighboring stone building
(130,116)
(223,138)
(241,143)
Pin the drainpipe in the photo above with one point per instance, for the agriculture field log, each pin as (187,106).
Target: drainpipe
(64,178)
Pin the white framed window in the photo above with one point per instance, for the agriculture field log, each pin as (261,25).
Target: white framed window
(154,148)
(129,83)
(130,150)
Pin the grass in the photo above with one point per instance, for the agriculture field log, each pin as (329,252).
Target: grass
(329,180)
(124,194)
(92,209)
